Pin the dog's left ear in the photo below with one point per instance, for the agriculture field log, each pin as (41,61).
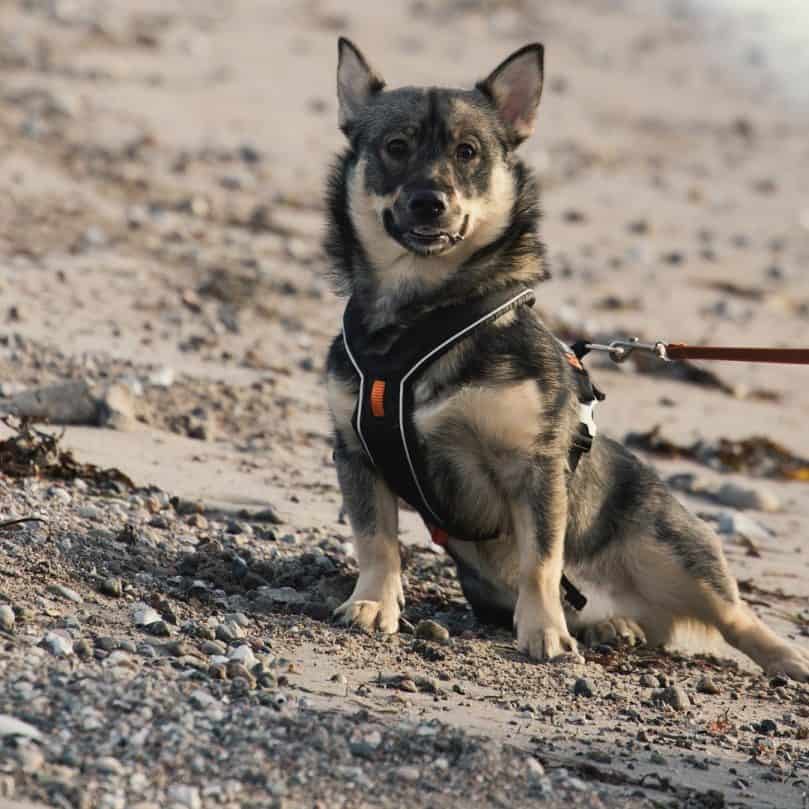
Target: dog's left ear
(515,87)
(357,81)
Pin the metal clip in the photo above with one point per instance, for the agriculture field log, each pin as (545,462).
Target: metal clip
(621,350)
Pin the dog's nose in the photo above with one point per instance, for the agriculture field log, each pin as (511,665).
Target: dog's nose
(427,206)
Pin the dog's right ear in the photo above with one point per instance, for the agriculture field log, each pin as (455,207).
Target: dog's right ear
(356,81)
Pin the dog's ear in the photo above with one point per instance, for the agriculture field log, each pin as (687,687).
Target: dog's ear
(515,87)
(356,81)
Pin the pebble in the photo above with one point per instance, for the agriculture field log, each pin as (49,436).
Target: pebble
(111,586)
(767,727)
(83,648)
(583,688)
(238,618)
(747,497)
(200,698)
(109,765)
(159,629)
(281,595)
(244,655)
(741,525)
(60,495)
(162,377)
(535,769)
(706,685)
(90,512)
(143,615)
(7,619)
(11,726)
(186,796)
(66,593)
(58,644)
(229,631)
(673,696)
(649,681)
(407,773)
(432,630)
(30,758)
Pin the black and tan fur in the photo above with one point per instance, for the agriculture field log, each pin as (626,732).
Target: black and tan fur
(429,206)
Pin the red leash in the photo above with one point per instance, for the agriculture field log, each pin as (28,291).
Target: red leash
(620,350)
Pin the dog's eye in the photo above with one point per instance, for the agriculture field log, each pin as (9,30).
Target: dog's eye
(465,152)
(396,148)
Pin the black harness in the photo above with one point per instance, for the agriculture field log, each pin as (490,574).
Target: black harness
(383,415)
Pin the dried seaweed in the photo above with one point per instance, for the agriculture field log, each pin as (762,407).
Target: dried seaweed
(757,456)
(33,453)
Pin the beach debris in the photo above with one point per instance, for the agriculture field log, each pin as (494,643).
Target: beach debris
(758,455)
(34,453)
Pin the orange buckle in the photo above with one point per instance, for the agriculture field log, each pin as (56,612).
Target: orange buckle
(378,397)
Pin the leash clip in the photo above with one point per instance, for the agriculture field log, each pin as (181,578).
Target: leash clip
(620,350)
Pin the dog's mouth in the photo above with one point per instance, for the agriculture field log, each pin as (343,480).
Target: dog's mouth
(425,239)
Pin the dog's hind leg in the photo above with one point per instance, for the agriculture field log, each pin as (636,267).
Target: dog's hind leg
(682,575)
(372,508)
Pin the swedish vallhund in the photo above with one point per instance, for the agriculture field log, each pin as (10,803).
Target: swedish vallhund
(448,391)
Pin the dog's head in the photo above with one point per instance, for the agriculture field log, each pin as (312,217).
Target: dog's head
(430,179)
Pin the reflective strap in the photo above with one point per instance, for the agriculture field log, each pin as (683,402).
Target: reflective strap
(587,417)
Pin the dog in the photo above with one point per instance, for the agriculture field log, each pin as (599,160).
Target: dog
(447,390)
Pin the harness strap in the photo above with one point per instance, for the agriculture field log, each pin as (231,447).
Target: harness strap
(388,371)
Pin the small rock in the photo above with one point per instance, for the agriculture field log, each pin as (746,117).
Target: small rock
(58,644)
(66,593)
(109,765)
(83,648)
(281,595)
(116,408)
(159,629)
(162,377)
(706,685)
(338,678)
(432,630)
(649,681)
(767,727)
(201,699)
(741,525)
(90,512)
(111,586)
(244,655)
(229,631)
(143,615)
(744,498)
(534,769)
(213,647)
(7,619)
(583,688)
(10,726)
(407,773)
(674,696)
(185,796)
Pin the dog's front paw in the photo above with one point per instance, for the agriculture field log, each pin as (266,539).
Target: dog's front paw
(373,607)
(547,643)
(792,661)
(540,635)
